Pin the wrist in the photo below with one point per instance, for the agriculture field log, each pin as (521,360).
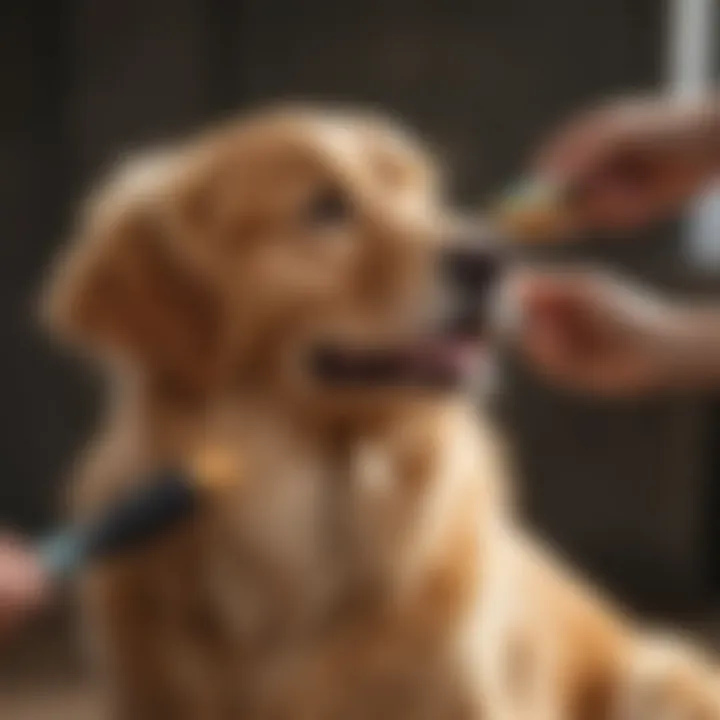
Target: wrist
(688,350)
(704,129)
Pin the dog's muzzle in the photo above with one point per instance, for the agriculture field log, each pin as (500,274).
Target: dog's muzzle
(447,350)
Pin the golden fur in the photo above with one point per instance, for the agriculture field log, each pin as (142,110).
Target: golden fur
(369,564)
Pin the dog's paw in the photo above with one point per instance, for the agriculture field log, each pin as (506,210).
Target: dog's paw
(669,681)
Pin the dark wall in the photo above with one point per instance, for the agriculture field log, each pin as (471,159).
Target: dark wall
(85,81)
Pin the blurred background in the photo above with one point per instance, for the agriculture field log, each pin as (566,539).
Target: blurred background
(630,491)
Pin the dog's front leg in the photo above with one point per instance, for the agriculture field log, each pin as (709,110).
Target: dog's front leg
(668,680)
(153,664)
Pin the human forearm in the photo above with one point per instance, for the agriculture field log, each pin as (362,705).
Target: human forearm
(690,354)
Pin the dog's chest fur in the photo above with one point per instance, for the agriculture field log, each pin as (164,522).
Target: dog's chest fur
(331,573)
(277,542)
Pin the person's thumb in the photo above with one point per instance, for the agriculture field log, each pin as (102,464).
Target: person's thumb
(558,315)
(544,297)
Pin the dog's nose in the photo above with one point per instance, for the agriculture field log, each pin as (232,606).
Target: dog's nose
(470,268)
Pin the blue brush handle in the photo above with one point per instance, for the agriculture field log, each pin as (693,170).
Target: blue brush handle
(63,552)
(153,509)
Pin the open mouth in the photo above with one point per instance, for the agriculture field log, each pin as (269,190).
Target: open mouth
(448,355)
(442,362)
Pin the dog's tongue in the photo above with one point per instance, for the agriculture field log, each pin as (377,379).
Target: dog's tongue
(457,355)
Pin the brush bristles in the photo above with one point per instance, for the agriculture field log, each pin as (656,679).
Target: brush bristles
(535,211)
(214,469)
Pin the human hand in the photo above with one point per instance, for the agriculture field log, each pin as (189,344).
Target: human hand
(592,332)
(24,585)
(633,162)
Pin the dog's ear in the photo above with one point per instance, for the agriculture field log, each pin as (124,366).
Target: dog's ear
(125,290)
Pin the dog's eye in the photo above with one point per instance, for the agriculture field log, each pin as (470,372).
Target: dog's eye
(329,207)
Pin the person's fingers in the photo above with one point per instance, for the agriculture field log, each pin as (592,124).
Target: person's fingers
(565,335)
(629,165)
(549,296)
(569,328)
(638,186)
(614,204)
(546,334)
(574,149)
(24,586)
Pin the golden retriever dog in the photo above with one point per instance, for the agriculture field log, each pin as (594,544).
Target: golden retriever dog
(292,287)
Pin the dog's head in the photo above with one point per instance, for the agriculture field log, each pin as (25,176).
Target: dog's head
(299,253)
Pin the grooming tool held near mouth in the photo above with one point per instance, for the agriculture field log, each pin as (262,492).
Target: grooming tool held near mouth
(535,211)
